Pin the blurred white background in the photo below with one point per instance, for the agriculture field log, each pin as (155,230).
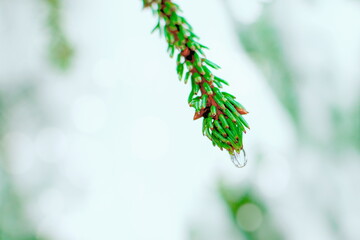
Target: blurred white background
(108,149)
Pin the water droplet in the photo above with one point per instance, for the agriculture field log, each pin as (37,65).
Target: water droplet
(239,159)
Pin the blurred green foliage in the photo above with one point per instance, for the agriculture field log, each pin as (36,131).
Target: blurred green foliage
(14,223)
(346,130)
(249,213)
(60,50)
(355,133)
(263,44)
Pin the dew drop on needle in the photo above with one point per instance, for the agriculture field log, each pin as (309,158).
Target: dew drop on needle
(239,159)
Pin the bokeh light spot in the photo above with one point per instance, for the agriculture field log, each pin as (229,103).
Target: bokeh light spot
(249,217)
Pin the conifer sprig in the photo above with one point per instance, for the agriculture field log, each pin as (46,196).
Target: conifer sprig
(223,122)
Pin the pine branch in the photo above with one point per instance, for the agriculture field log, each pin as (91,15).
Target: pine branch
(223,122)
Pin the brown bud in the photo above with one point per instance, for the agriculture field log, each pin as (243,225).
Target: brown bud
(242,111)
(185,52)
(197,115)
(200,114)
